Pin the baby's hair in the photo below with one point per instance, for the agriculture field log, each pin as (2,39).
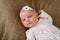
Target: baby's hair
(27,8)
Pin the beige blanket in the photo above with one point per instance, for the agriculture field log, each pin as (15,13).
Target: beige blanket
(10,25)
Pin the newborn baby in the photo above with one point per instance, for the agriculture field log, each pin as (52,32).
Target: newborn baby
(40,25)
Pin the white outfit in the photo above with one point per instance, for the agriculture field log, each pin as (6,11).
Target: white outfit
(44,29)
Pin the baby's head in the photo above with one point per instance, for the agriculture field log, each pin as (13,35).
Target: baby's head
(29,16)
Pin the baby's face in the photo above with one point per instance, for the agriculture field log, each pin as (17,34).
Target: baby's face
(29,18)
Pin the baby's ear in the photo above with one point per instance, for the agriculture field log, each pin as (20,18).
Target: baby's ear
(39,12)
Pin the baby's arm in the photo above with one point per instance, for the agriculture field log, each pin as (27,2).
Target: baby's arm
(45,17)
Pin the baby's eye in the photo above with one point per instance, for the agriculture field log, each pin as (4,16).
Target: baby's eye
(30,16)
(23,20)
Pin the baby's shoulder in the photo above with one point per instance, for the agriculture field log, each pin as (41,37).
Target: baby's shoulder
(37,28)
(31,30)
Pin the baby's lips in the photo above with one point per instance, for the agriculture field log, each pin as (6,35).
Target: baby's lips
(28,23)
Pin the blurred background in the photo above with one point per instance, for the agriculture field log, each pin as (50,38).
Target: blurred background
(10,24)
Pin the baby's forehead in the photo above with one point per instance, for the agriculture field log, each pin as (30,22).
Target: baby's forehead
(26,13)
(30,11)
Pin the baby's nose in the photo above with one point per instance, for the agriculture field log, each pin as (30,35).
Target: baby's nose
(27,19)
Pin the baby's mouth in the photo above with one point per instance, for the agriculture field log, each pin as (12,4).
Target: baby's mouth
(29,23)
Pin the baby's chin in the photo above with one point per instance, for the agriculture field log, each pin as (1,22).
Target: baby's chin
(29,26)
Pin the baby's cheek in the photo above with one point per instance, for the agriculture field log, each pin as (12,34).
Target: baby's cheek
(34,19)
(23,23)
